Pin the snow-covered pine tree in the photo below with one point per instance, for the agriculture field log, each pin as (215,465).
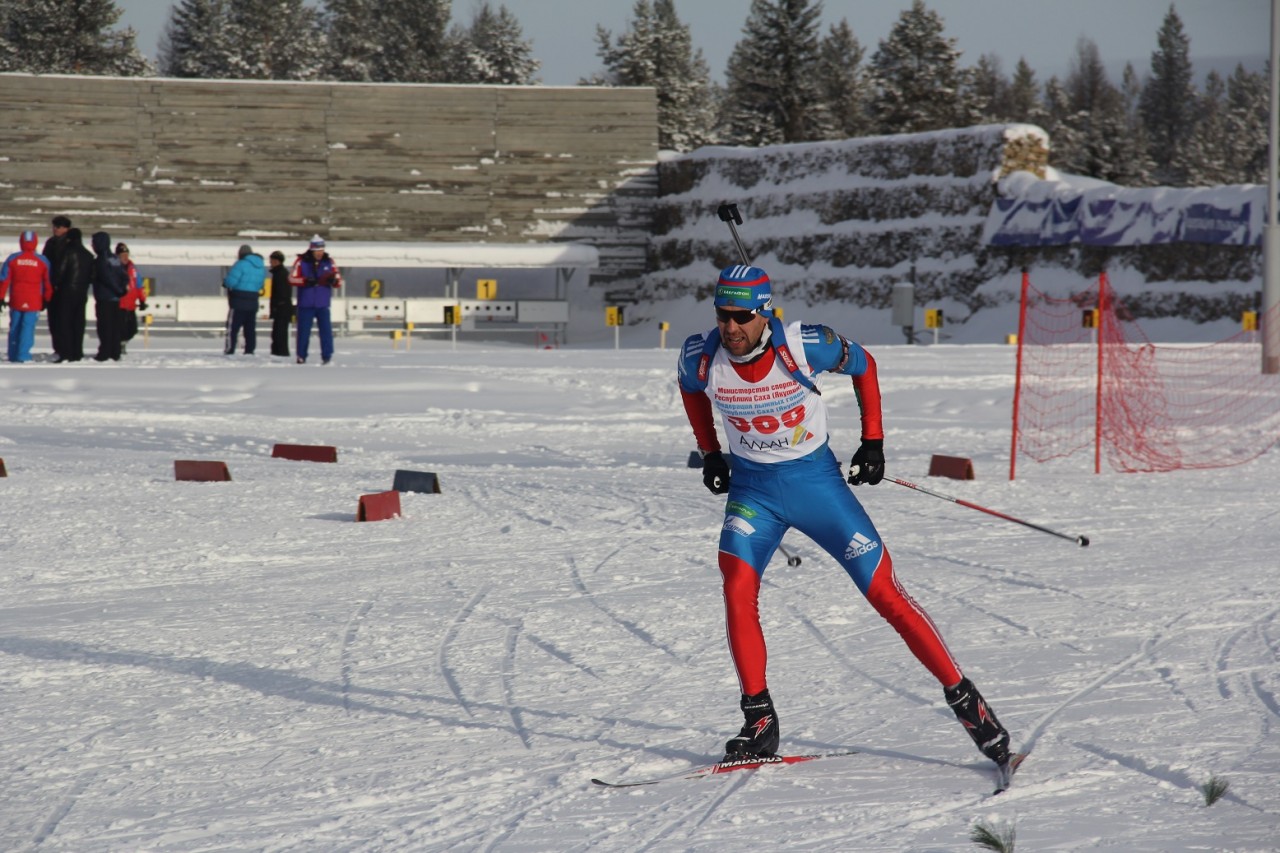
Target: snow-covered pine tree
(1207,148)
(492,50)
(352,32)
(1245,122)
(197,41)
(918,80)
(1095,112)
(274,40)
(989,89)
(412,37)
(845,87)
(1024,100)
(70,37)
(773,92)
(1134,148)
(1168,103)
(657,50)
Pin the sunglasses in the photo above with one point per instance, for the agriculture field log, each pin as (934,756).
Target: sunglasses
(742,318)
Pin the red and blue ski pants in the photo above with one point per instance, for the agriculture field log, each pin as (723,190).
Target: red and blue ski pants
(810,494)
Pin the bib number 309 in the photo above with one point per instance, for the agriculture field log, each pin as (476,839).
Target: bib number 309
(766,424)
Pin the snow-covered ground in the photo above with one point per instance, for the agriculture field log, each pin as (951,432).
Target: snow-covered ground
(241,666)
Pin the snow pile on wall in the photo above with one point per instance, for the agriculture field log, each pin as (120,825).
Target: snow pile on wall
(839,224)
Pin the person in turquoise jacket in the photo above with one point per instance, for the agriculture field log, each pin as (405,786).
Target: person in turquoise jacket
(244,283)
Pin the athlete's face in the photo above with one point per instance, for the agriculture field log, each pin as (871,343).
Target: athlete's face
(740,331)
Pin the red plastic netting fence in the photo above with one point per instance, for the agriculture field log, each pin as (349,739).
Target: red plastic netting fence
(1089,380)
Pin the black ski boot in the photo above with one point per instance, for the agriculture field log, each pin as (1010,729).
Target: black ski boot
(759,736)
(979,721)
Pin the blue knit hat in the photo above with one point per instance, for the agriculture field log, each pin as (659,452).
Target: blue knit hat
(746,287)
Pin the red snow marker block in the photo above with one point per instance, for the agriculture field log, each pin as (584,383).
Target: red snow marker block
(205,472)
(305,452)
(3,472)
(379,507)
(955,467)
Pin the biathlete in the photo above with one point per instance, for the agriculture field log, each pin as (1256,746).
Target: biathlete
(758,374)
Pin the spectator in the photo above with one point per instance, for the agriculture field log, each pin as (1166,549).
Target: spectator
(24,278)
(317,276)
(55,248)
(72,278)
(243,283)
(132,300)
(281,305)
(110,284)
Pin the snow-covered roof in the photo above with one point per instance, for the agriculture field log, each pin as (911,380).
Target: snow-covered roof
(200,253)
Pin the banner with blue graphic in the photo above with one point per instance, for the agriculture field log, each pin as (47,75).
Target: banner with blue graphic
(1032,212)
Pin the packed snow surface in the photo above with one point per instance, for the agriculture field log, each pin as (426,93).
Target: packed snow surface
(242,666)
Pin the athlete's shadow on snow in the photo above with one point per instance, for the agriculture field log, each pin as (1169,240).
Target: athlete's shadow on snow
(349,698)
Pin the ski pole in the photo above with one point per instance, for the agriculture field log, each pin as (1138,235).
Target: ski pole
(729,214)
(792,559)
(1082,541)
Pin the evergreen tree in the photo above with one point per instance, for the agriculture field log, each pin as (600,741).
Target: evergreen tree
(845,87)
(492,50)
(1207,151)
(657,50)
(989,89)
(1091,132)
(1024,101)
(275,40)
(1134,147)
(412,35)
(917,76)
(1245,127)
(353,38)
(1169,102)
(196,41)
(773,91)
(70,37)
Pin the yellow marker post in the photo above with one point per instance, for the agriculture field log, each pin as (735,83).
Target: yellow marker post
(408,335)
(1249,321)
(1089,318)
(933,320)
(396,335)
(146,331)
(662,335)
(613,317)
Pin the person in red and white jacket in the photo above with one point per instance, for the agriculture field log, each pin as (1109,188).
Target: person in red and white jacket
(134,298)
(758,374)
(24,282)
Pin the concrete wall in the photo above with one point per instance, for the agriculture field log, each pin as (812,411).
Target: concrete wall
(166,159)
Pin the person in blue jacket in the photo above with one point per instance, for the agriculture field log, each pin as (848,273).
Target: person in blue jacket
(759,375)
(316,276)
(244,283)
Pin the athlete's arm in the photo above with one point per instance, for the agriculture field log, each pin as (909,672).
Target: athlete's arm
(834,353)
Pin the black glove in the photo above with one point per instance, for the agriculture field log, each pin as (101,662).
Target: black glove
(3,305)
(142,305)
(715,473)
(868,463)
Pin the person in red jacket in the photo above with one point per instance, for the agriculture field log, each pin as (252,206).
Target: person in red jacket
(133,299)
(24,279)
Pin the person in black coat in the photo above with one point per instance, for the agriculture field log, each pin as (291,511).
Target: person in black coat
(72,275)
(54,249)
(281,305)
(110,282)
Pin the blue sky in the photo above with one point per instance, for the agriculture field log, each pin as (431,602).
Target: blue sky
(1045,32)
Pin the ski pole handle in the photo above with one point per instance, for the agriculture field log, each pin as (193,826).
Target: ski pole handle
(1082,541)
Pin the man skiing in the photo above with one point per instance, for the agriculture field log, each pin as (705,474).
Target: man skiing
(758,374)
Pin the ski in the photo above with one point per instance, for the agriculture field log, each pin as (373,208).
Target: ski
(1004,773)
(723,767)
